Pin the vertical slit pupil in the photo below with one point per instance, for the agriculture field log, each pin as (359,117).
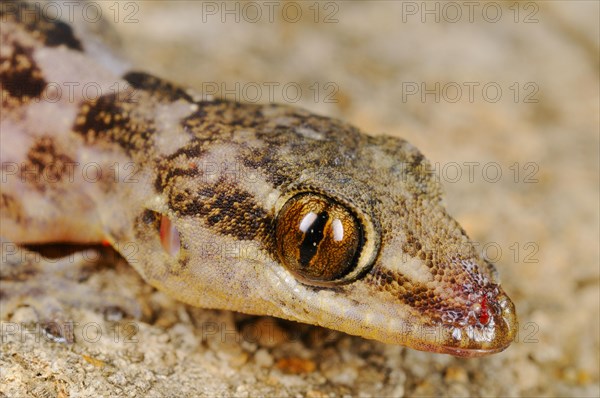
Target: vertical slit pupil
(312,238)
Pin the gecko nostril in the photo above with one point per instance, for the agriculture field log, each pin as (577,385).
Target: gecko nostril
(169,236)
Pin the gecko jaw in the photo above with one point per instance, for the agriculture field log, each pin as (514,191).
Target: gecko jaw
(484,338)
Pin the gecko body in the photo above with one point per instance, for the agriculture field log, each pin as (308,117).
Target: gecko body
(262,209)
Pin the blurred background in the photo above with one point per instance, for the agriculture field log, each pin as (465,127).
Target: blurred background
(502,97)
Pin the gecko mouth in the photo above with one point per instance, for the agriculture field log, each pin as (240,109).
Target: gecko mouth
(469,353)
(489,327)
(464,337)
(484,338)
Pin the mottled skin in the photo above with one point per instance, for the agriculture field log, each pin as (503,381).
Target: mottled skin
(109,168)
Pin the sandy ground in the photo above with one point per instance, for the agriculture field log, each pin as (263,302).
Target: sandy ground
(510,89)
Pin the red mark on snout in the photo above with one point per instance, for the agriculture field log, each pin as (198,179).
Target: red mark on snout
(484,315)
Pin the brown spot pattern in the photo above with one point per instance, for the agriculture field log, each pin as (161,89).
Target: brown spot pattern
(45,164)
(418,296)
(110,121)
(163,90)
(20,78)
(225,208)
(49,31)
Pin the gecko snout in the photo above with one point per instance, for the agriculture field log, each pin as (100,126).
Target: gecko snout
(506,320)
(492,328)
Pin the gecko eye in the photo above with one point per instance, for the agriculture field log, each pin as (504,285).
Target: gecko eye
(318,239)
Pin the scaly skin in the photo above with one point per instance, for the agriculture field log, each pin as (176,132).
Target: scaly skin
(148,156)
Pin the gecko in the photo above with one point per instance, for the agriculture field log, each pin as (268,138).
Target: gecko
(262,209)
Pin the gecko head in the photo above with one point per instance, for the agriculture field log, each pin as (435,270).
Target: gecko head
(329,227)
(377,255)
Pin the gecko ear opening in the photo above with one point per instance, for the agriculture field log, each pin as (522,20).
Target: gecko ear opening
(156,229)
(169,236)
